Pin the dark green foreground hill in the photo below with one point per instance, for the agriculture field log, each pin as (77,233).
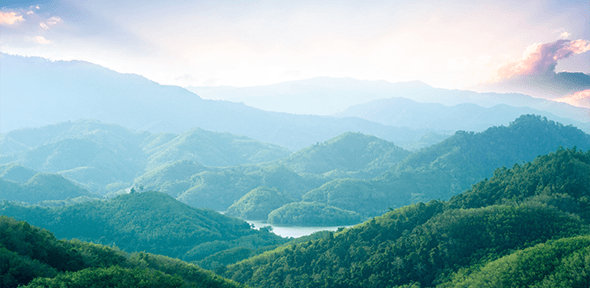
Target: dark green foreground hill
(153,222)
(34,257)
(463,240)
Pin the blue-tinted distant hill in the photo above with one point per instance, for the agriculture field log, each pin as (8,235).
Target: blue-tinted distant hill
(333,96)
(404,112)
(39,92)
(106,157)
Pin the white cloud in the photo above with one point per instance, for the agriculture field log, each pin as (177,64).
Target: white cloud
(10,17)
(41,40)
(43,25)
(564,35)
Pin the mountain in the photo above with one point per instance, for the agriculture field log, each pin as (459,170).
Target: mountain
(445,169)
(72,90)
(527,224)
(214,149)
(317,96)
(33,257)
(348,152)
(403,112)
(312,214)
(558,263)
(549,85)
(16,172)
(106,158)
(150,221)
(258,203)
(347,155)
(41,187)
(331,96)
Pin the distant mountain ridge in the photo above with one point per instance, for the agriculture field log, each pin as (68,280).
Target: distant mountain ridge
(72,90)
(403,112)
(333,96)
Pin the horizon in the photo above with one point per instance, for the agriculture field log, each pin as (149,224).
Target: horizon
(243,44)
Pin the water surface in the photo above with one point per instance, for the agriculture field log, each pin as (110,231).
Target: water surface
(293,231)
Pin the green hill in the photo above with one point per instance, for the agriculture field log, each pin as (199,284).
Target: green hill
(33,257)
(16,172)
(348,152)
(214,149)
(106,158)
(348,155)
(449,242)
(151,221)
(41,187)
(220,188)
(560,263)
(447,168)
(164,177)
(312,214)
(256,204)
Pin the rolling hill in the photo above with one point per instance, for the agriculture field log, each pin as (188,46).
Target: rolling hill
(150,221)
(445,169)
(527,224)
(33,257)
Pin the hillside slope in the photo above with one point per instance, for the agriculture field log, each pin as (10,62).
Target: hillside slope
(34,257)
(151,221)
(428,244)
(445,169)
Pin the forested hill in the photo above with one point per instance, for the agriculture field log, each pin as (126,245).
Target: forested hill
(450,167)
(151,221)
(441,243)
(34,257)
(348,152)
(39,187)
(106,158)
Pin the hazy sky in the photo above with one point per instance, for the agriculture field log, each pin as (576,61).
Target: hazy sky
(450,44)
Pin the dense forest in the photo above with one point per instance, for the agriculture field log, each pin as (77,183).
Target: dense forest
(33,257)
(528,218)
(151,221)
(476,209)
(451,166)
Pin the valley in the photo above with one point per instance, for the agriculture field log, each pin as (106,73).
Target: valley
(146,184)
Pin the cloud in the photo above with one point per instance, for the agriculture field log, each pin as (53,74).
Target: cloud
(10,17)
(50,22)
(41,40)
(564,35)
(541,59)
(579,99)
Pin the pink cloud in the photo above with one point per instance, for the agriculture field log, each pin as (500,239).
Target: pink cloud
(579,99)
(10,17)
(541,58)
(41,40)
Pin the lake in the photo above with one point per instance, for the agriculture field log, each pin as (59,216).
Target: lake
(293,231)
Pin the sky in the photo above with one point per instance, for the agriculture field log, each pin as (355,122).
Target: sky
(447,44)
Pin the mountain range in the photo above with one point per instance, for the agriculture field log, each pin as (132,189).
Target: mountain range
(339,96)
